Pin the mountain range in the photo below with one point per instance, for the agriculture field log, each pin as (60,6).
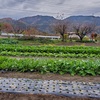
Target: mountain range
(44,23)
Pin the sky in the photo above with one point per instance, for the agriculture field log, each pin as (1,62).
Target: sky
(22,8)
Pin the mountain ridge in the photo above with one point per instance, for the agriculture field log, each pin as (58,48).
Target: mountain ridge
(44,23)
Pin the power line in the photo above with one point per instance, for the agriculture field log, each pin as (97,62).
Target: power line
(28,2)
(24,10)
(32,2)
(47,12)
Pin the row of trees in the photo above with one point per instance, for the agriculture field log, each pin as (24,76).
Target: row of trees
(8,28)
(81,30)
(60,27)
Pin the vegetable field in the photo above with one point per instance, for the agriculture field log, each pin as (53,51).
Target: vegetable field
(50,51)
(86,59)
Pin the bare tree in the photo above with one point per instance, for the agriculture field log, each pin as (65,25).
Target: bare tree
(83,29)
(97,29)
(31,31)
(17,30)
(61,27)
(7,27)
(1,27)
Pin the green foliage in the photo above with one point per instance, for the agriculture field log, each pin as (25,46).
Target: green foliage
(61,66)
(86,41)
(8,41)
(51,49)
(56,55)
(37,40)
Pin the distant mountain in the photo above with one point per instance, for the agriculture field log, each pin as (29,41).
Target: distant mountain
(44,23)
(84,19)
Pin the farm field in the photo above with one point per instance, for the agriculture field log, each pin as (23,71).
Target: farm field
(49,62)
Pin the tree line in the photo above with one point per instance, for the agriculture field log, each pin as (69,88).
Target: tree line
(79,29)
(61,27)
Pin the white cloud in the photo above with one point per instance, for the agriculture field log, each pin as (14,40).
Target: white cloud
(21,8)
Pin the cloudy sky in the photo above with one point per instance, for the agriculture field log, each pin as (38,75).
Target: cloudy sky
(22,8)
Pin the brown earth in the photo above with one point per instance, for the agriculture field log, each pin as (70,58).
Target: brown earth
(48,76)
(78,44)
(9,96)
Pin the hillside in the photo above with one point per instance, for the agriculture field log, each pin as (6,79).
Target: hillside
(83,19)
(44,23)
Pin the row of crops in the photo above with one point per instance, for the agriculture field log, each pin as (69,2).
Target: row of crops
(61,66)
(51,49)
(60,55)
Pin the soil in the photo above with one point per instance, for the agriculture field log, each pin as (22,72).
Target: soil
(9,96)
(48,76)
(78,44)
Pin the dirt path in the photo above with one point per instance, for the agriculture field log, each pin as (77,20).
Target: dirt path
(50,76)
